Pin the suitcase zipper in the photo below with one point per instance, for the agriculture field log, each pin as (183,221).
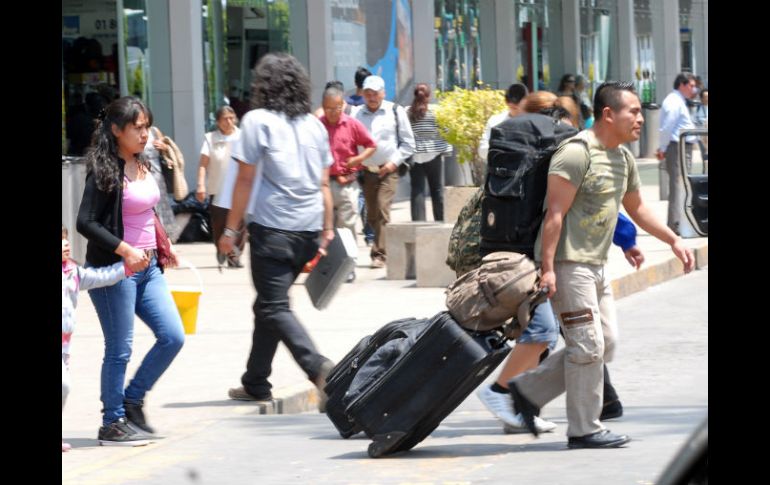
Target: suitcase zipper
(348,366)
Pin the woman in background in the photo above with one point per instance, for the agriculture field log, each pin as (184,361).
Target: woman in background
(427,160)
(215,157)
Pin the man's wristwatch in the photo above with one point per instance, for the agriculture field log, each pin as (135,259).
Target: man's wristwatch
(230,233)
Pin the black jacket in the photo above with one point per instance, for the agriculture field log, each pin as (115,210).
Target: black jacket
(100,220)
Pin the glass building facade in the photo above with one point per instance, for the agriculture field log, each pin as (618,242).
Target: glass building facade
(186,59)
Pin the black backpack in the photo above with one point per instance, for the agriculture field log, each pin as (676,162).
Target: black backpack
(520,151)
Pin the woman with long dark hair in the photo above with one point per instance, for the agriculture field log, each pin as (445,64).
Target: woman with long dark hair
(116,216)
(428,156)
(290,208)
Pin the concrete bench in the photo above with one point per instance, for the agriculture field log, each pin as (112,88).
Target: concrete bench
(431,244)
(455,199)
(400,238)
(418,250)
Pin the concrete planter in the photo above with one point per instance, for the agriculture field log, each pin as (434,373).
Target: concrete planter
(456,173)
(454,200)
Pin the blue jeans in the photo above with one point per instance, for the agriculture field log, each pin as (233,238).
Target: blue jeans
(277,257)
(368,231)
(542,327)
(146,294)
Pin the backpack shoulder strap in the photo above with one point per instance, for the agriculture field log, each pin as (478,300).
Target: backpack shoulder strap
(579,139)
(395,115)
(626,152)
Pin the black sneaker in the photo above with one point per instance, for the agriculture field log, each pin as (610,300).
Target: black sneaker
(524,406)
(120,433)
(601,439)
(135,417)
(611,410)
(320,383)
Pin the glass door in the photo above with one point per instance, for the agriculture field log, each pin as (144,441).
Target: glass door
(458,50)
(135,59)
(89,68)
(532,48)
(596,34)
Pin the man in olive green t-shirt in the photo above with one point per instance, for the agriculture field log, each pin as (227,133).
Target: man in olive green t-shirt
(588,179)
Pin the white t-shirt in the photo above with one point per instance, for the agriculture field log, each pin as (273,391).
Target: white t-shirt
(216,146)
(493,121)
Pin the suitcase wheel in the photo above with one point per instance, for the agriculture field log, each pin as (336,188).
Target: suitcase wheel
(382,444)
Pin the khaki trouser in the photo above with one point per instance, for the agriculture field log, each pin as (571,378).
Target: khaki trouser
(345,198)
(585,308)
(378,194)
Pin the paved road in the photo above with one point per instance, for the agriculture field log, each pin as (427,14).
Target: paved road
(661,373)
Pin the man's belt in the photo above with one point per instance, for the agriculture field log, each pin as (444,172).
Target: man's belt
(343,179)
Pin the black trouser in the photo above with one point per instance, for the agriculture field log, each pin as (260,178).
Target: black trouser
(277,258)
(418,173)
(218,217)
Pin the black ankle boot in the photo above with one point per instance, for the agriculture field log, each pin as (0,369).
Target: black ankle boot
(135,417)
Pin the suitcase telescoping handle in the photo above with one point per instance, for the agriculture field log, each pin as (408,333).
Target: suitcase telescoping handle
(540,296)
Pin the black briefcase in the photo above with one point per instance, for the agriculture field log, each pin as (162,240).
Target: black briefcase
(332,270)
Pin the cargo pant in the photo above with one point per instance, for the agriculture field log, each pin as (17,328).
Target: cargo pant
(585,308)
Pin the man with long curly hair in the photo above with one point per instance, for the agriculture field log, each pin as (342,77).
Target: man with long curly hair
(283,188)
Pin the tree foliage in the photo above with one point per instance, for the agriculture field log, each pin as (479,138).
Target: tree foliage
(461,116)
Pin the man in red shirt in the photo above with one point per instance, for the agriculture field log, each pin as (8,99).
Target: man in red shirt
(346,134)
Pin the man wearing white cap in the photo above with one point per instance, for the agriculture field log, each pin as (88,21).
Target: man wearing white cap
(390,128)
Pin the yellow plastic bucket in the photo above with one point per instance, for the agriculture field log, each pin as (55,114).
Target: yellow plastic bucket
(187,299)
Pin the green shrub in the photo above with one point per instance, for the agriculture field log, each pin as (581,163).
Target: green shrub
(461,116)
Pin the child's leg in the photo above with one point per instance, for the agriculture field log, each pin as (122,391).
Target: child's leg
(65,380)
(65,390)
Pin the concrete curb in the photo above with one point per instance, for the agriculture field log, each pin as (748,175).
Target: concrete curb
(299,398)
(303,397)
(658,273)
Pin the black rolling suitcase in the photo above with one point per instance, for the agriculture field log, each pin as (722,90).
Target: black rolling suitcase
(339,379)
(399,384)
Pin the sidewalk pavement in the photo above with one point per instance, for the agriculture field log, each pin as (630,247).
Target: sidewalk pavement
(192,394)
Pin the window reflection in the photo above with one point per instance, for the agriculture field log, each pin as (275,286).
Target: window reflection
(136,60)
(458,50)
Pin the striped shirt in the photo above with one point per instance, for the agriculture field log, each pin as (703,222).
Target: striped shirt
(427,138)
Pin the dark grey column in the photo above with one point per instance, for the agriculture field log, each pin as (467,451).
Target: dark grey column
(320,53)
(570,18)
(699,21)
(185,32)
(488,42)
(498,43)
(160,65)
(665,31)
(626,57)
(298,31)
(424,43)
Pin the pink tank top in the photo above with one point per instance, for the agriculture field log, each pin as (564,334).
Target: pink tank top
(139,197)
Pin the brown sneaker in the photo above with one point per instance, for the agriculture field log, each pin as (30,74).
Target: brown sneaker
(240,394)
